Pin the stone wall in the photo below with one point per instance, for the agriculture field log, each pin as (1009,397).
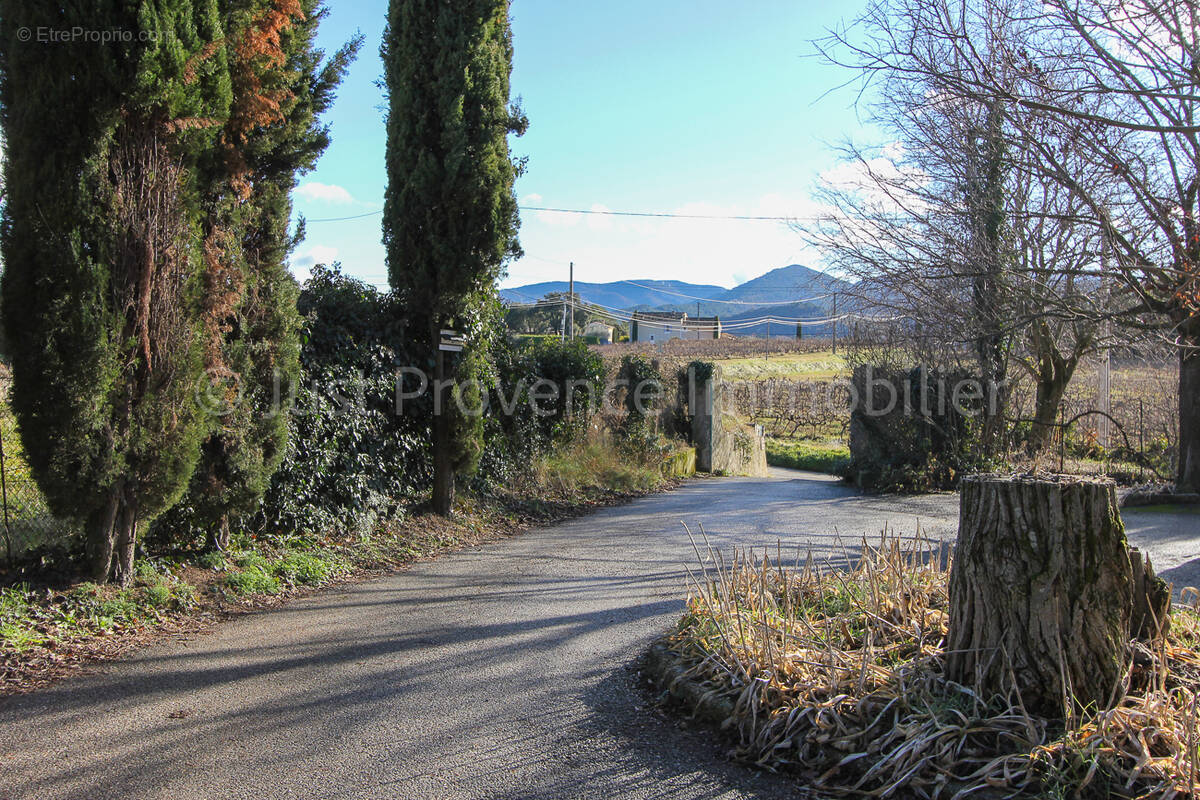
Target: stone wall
(724,444)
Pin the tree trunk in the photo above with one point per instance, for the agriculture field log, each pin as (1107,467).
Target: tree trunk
(1188,475)
(443,468)
(126,542)
(218,537)
(1050,391)
(1041,592)
(1053,374)
(100,538)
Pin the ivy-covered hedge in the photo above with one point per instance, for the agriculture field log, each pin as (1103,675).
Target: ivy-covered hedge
(354,456)
(351,457)
(911,431)
(528,417)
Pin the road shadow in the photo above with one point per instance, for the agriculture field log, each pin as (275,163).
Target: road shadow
(1183,576)
(655,753)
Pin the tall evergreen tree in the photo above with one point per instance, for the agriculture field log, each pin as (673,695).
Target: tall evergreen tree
(450,214)
(100,237)
(273,133)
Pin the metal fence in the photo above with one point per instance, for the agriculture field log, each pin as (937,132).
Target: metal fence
(26,521)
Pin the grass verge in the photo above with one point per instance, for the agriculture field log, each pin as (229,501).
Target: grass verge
(48,629)
(835,673)
(806,454)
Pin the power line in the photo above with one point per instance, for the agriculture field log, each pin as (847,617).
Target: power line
(343,219)
(731,302)
(605,213)
(659,214)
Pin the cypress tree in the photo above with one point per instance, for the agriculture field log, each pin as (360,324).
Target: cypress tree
(450,215)
(100,238)
(273,133)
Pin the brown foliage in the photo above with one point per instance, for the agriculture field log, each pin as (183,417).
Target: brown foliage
(257,51)
(256,57)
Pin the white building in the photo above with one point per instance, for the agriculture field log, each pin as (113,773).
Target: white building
(659,326)
(602,332)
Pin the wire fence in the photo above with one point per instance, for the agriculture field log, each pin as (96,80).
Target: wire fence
(26,521)
(1132,437)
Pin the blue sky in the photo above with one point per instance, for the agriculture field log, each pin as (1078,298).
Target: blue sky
(700,107)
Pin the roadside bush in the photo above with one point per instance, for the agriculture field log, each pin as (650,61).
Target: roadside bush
(308,568)
(641,382)
(596,462)
(568,380)
(351,457)
(254,580)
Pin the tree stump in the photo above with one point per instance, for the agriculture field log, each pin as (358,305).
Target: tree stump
(1151,618)
(1041,592)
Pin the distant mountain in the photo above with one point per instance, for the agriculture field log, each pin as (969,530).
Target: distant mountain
(793,282)
(809,292)
(618,294)
(783,324)
(762,295)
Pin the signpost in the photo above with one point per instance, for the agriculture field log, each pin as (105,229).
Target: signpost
(451,342)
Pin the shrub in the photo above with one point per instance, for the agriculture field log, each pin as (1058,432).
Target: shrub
(351,457)
(307,568)
(923,442)
(594,462)
(514,432)
(157,595)
(643,387)
(252,560)
(214,560)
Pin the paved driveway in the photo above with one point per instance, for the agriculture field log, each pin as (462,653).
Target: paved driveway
(498,672)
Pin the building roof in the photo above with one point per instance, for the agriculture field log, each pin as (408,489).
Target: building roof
(661,316)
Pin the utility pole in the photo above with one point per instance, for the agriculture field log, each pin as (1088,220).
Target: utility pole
(835,322)
(571,300)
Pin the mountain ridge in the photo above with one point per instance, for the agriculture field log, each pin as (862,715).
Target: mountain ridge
(787,293)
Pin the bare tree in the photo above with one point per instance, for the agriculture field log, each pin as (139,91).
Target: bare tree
(1112,85)
(983,256)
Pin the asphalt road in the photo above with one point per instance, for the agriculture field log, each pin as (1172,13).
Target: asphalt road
(504,671)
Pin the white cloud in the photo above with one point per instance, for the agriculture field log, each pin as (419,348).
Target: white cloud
(533,198)
(600,221)
(320,254)
(303,263)
(325,193)
(719,251)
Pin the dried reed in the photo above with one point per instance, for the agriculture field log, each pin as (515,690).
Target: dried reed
(835,671)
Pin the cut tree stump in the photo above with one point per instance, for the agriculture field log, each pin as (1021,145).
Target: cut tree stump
(1041,592)
(1151,618)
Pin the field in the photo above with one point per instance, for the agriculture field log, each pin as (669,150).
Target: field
(818,366)
(792,393)
(807,454)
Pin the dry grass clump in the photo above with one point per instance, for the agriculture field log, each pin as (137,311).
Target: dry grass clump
(600,460)
(835,670)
